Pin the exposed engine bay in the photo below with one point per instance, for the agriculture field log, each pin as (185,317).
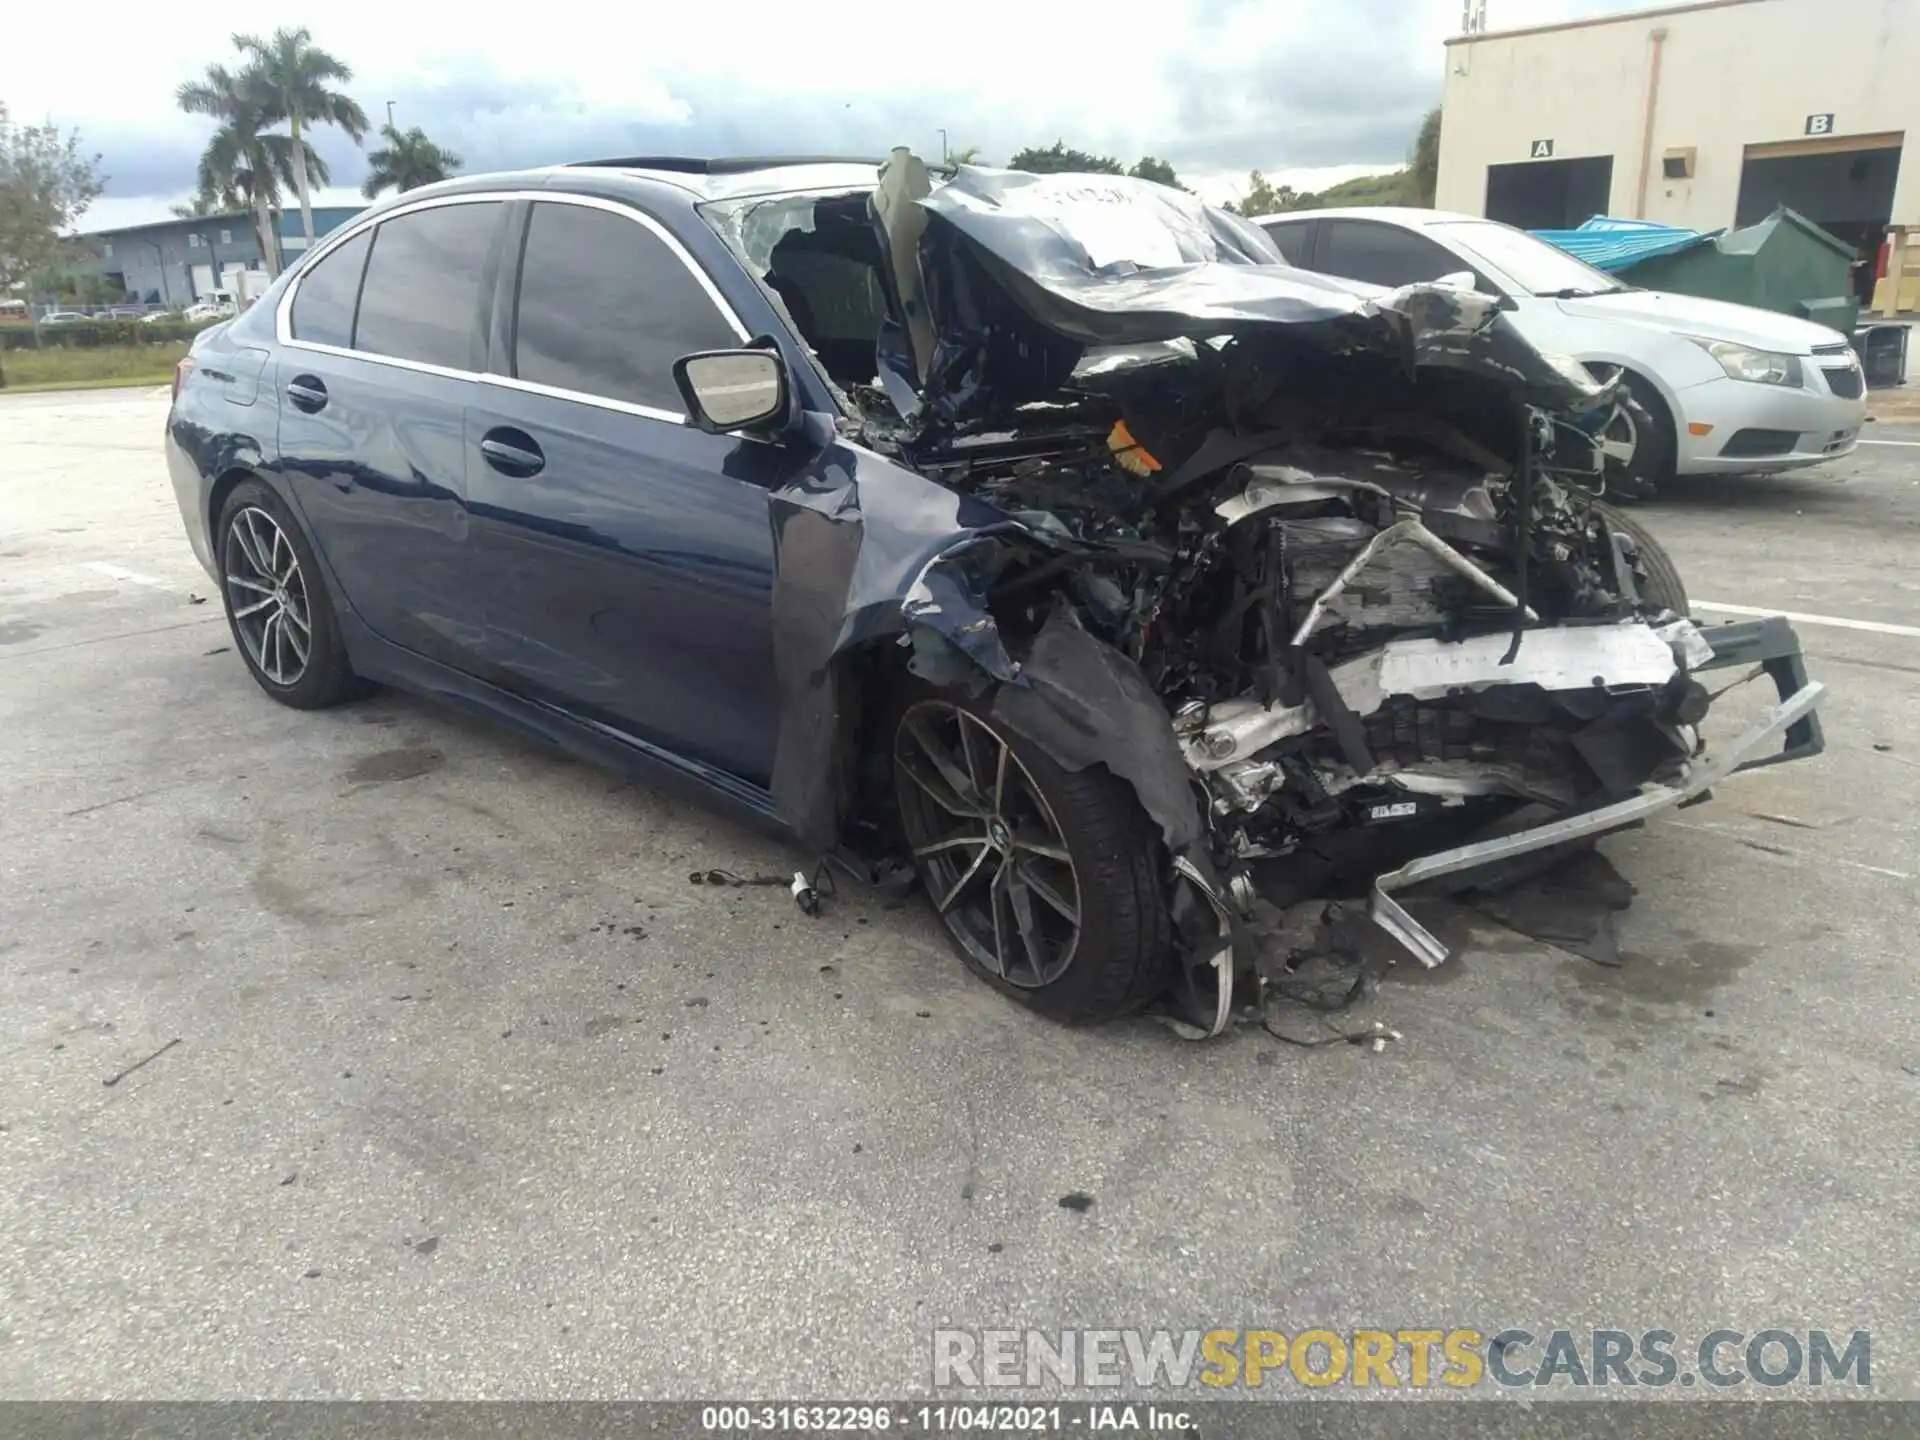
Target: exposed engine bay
(1294,558)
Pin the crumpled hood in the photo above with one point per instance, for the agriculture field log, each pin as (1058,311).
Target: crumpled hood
(1708,319)
(1019,274)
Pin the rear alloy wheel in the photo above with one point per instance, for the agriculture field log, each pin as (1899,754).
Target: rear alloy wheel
(1044,879)
(267,597)
(277,605)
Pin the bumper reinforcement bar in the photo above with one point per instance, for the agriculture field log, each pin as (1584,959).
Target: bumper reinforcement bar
(1793,716)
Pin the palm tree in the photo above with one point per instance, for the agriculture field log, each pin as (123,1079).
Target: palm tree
(298,75)
(406,162)
(245,163)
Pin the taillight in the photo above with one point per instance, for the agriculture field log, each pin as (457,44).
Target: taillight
(180,371)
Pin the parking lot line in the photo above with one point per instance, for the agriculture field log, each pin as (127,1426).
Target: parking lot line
(1841,622)
(1911,444)
(120,572)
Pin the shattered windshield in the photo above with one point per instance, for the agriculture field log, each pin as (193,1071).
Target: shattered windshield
(1533,265)
(817,252)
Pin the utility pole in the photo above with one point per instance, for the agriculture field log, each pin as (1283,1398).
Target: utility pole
(943,144)
(389,114)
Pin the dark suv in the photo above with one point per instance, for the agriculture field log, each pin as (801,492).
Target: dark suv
(1005,525)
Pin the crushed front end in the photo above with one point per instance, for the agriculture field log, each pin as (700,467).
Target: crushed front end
(1319,571)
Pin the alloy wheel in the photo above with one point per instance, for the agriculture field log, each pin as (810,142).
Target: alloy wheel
(267,596)
(994,857)
(1620,441)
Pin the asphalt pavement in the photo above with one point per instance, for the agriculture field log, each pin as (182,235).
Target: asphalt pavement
(453,1085)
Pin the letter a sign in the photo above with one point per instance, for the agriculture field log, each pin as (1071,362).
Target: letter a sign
(1542,150)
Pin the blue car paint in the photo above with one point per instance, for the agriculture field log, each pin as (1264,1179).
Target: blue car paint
(620,605)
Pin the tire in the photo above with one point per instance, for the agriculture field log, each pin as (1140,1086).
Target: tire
(268,569)
(1640,419)
(1659,577)
(1119,955)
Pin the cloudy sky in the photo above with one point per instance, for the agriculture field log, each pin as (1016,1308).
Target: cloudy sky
(1309,91)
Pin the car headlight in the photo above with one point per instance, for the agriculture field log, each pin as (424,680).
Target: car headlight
(1762,367)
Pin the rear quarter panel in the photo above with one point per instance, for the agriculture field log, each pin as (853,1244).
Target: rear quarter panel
(223,419)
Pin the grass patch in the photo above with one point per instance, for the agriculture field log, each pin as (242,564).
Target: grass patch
(58,368)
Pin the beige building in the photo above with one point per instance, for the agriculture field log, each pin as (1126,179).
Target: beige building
(1703,115)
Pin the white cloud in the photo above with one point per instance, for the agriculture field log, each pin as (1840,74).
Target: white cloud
(1216,86)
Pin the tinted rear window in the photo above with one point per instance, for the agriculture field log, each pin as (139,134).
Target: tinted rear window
(1291,240)
(323,305)
(1381,253)
(606,308)
(421,300)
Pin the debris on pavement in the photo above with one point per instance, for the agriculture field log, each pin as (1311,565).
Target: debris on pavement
(1573,905)
(113,1080)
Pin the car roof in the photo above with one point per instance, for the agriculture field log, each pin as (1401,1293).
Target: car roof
(1410,216)
(698,180)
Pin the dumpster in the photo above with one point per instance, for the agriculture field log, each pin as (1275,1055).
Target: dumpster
(1785,263)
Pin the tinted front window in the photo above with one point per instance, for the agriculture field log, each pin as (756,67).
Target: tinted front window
(323,305)
(606,308)
(421,300)
(1291,240)
(1369,250)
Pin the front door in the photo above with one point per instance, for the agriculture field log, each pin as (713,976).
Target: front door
(627,556)
(388,340)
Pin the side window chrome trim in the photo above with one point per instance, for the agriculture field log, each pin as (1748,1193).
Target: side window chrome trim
(504,382)
(283,313)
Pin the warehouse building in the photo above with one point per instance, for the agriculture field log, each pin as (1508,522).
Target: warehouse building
(1705,115)
(175,262)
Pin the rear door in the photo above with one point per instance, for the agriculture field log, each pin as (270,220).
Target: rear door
(388,336)
(627,556)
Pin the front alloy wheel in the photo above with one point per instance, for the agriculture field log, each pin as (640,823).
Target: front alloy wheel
(994,857)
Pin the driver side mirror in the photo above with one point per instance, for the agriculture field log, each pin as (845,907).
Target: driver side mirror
(729,390)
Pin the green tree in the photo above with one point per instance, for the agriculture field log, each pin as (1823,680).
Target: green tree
(1264,198)
(202,205)
(407,161)
(1423,163)
(969,156)
(45,182)
(1057,159)
(246,162)
(299,77)
(1148,167)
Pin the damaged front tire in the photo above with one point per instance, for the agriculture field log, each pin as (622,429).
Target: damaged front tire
(1047,881)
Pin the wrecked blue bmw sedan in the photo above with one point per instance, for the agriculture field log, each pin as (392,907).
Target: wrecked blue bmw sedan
(1044,537)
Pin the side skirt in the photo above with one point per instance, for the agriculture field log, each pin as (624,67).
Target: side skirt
(639,760)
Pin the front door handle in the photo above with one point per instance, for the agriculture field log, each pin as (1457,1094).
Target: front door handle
(307,393)
(512,452)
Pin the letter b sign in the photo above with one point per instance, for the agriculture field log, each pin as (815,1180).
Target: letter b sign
(1820,124)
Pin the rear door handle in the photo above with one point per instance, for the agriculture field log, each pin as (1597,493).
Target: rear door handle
(512,452)
(307,393)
